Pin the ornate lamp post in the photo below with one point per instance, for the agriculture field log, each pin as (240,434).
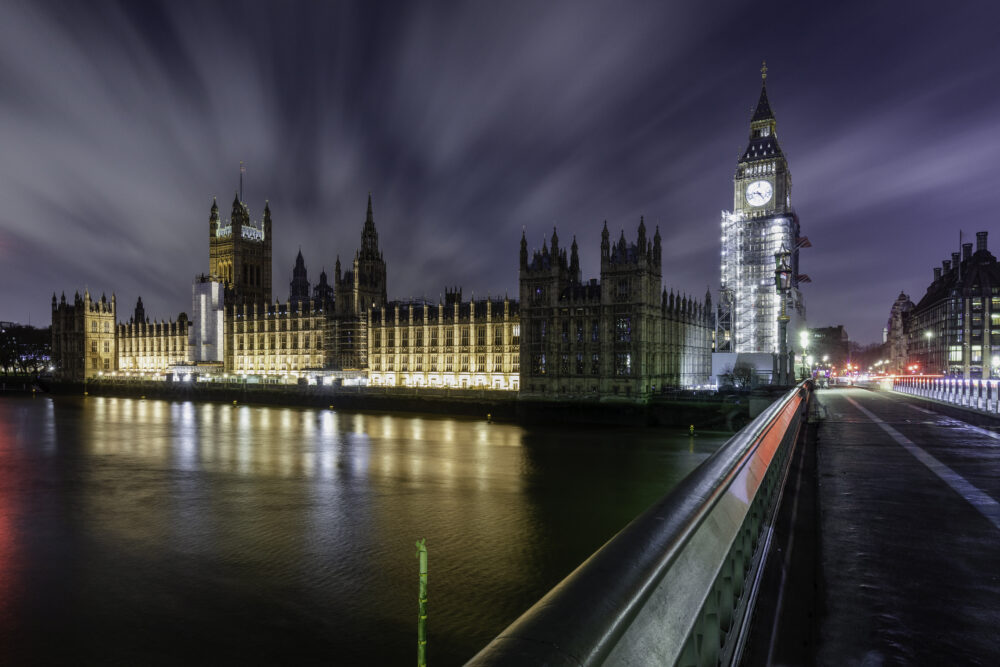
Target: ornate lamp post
(782,283)
(927,363)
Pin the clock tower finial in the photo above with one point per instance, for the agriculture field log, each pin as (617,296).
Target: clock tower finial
(763,72)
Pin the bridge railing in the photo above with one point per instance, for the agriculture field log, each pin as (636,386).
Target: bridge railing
(674,587)
(977,394)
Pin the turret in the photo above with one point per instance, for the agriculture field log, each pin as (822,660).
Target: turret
(524,250)
(213,219)
(267,221)
(236,217)
(605,243)
(642,234)
(657,251)
(555,243)
(574,262)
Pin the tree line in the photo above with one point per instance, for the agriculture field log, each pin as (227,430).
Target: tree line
(24,350)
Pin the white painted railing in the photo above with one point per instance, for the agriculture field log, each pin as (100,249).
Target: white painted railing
(976,394)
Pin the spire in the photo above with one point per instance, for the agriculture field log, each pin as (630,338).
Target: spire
(555,242)
(605,244)
(657,249)
(574,261)
(763,110)
(642,233)
(524,250)
(369,237)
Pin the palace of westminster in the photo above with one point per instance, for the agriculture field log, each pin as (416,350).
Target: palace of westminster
(620,335)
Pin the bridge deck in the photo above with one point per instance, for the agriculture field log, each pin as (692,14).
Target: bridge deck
(909,547)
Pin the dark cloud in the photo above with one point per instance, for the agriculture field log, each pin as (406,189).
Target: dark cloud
(469,121)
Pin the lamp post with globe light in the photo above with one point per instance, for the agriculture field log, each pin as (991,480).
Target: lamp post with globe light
(783,283)
(927,362)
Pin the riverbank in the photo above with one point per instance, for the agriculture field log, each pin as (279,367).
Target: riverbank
(705,412)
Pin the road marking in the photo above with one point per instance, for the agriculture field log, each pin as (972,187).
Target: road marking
(988,507)
(977,429)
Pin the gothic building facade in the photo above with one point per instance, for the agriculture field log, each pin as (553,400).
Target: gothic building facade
(895,333)
(146,347)
(84,341)
(761,224)
(455,344)
(240,253)
(622,335)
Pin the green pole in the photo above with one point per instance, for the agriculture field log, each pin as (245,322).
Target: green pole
(422,604)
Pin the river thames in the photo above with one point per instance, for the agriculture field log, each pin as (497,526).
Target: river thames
(155,532)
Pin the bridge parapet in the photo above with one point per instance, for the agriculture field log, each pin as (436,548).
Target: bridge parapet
(976,394)
(675,586)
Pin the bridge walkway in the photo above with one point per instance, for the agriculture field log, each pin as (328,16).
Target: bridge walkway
(909,533)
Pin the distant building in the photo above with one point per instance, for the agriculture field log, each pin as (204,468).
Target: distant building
(84,336)
(896,352)
(828,343)
(456,344)
(955,327)
(620,336)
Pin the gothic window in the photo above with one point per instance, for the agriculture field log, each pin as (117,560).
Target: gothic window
(516,366)
(465,336)
(107,364)
(481,335)
(465,363)
(497,336)
(579,331)
(623,364)
(107,346)
(405,336)
(378,339)
(93,344)
(579,363)
(595,331)
(497,363)
(481,363)
(391,338)
(434,338)
(565,331)
(93,326)
(420,363)
(516,336)
(538,364)
(449,337)
(419,337)
(623,289)
(595,364)
(564,364)
(449,366)
(107,327)
(434,364)
(623,329)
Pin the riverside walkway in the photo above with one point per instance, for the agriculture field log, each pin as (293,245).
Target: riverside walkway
(907,559)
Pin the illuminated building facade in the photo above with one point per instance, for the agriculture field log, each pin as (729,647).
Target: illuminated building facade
(455,344)
(277,340)
(761,224)
(620,336)
(84,336)
(955,327)
(149,347)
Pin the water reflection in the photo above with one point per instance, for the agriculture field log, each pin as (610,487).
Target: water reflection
(259,528)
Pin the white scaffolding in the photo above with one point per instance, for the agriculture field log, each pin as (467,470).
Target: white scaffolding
(749,303)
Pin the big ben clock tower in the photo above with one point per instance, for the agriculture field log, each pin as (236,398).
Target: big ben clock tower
(761,224)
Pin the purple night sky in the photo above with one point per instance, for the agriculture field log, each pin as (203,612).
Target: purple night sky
(120,122)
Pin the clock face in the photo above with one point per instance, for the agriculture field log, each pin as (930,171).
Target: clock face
(759,193)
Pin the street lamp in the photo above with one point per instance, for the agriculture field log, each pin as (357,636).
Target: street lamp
(927,362)
(782,283)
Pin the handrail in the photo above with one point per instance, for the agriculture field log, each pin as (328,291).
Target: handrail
(665,588)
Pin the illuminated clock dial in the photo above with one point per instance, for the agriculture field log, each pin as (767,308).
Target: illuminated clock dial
(759,193)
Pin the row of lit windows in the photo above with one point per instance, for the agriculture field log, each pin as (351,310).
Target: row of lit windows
(281,324)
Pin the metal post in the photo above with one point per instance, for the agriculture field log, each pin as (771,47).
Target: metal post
(422,604)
